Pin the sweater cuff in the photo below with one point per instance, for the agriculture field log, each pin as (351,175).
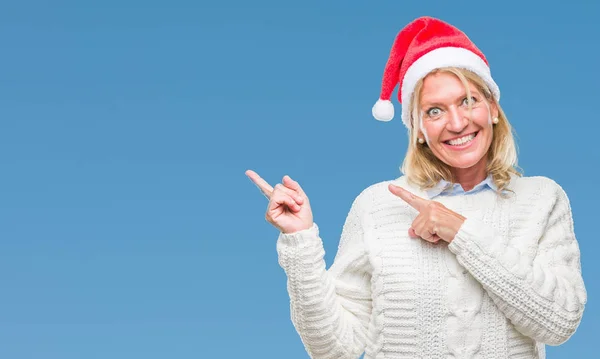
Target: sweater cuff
(471,233)
(305,236)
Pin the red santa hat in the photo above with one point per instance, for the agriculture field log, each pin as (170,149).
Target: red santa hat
(424,45)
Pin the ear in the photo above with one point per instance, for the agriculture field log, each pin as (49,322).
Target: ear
(494,109)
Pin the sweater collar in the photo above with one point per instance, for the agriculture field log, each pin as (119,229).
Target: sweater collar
(445,188)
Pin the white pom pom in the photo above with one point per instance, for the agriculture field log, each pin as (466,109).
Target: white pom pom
(383,110)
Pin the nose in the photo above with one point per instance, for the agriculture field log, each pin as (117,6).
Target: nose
(458,120)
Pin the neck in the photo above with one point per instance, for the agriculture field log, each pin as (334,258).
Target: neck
(470,177)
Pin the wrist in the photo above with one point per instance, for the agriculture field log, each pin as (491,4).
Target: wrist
(460,220)
(304,236)
(298,229)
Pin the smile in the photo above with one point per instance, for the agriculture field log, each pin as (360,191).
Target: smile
(462,142)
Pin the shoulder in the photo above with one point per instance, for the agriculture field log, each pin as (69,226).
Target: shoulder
(541,194)
(537,186)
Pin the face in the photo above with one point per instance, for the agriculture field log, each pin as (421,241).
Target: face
(457,135)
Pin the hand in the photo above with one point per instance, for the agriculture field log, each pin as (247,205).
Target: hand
(434,221)
(288,209)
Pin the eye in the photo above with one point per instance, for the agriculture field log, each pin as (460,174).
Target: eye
(434,112)
(465,101)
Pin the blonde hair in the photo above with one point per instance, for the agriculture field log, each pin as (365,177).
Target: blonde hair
(424,169)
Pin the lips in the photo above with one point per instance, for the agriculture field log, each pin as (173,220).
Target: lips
(472,133)
(463,147)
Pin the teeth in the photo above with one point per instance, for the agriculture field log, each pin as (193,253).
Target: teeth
(462,140)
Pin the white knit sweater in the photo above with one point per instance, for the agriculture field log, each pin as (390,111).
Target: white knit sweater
(508,283)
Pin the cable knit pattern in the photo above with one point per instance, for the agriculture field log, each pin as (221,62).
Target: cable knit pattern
(508,283)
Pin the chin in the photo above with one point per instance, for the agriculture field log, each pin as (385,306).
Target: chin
(462,165)
(463,161)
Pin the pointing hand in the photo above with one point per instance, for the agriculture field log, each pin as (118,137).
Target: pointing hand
(288,209)
(434,221)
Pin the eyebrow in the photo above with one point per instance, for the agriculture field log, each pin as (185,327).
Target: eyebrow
(463,95)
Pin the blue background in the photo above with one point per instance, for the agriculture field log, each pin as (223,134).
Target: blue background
(127,226)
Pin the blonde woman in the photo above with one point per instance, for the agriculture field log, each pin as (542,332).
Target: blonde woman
(461,256)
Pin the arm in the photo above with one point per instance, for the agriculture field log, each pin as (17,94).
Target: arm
(543,298)
(330,309)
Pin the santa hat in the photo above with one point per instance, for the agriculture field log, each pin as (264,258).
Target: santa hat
(424,45)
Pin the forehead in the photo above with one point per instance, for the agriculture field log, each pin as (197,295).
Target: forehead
(444,87)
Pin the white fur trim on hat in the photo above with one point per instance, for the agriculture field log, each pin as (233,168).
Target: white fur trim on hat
(438,58)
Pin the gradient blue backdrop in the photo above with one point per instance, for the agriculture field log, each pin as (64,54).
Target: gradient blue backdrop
(127,226)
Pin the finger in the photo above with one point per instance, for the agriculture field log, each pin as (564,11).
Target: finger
(282,198)
(412,234)
(425,230)
(422,227)
(293,194)
(428,235)
(434,239)
(414,201)
(290,183)
(417,225)
(262,185)
(425,234)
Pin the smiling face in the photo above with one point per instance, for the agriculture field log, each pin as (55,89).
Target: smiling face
(456,125)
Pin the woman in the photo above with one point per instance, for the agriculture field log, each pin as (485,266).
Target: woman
(460,257)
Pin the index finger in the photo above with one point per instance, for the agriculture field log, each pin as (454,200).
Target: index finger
(262,185)
(413,200)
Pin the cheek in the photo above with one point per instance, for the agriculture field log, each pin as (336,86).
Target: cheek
(482,116)
(432,131)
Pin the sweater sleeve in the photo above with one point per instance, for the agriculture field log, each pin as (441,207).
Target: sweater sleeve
(330,309)
(544,298)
